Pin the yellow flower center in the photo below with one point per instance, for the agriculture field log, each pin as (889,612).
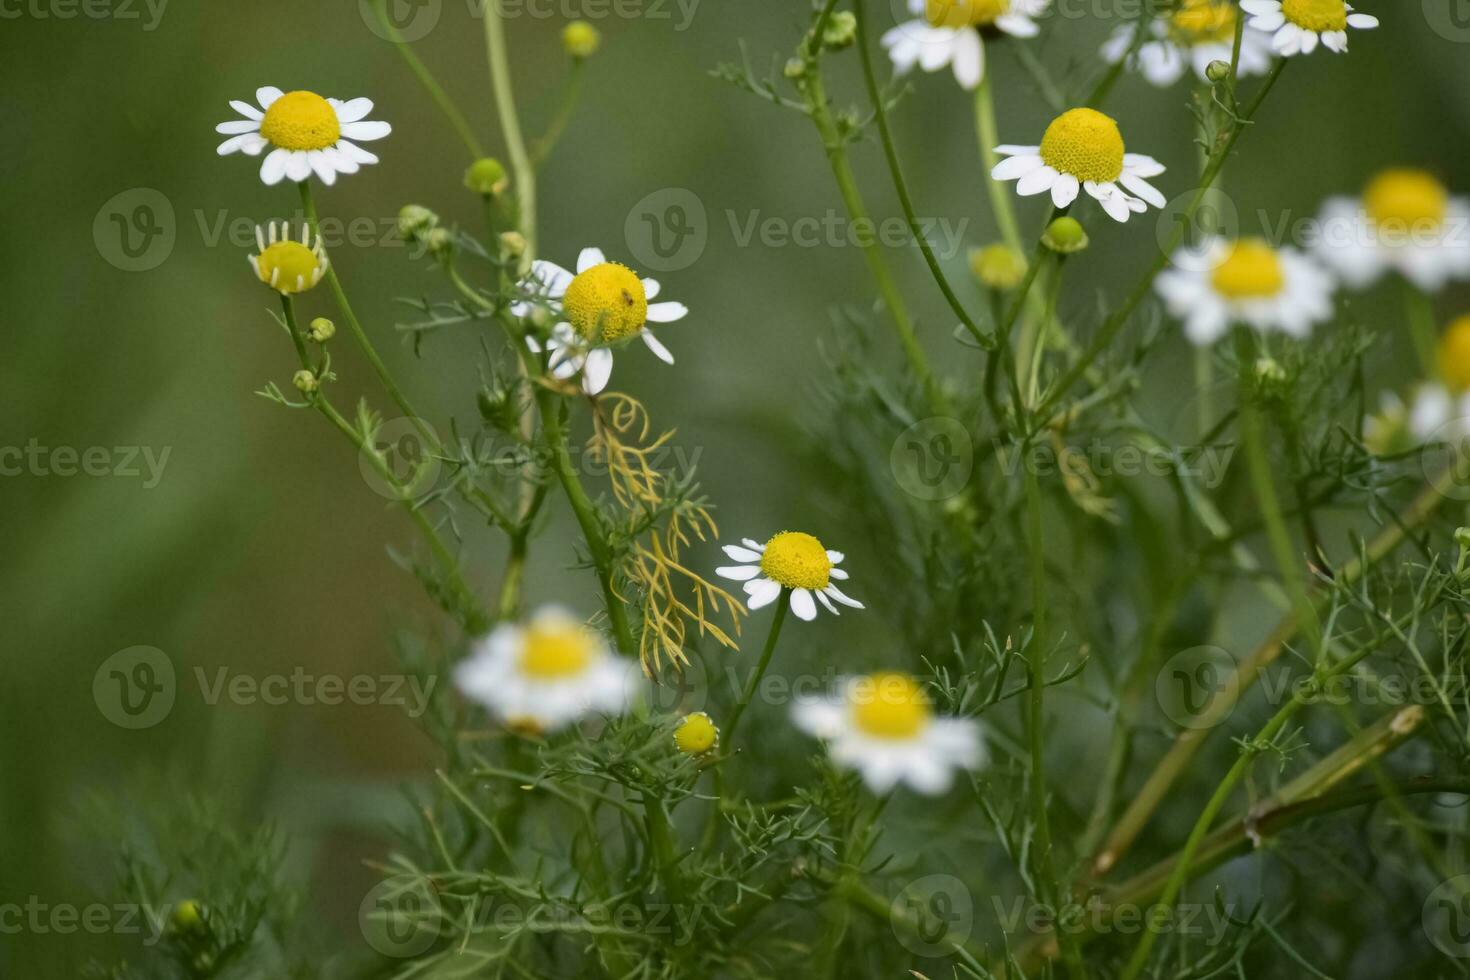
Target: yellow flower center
(797,561)
(1454,354)
(1404,200)
(696,734)
(1203,22)
(1316,15)
(301,121)
(1084,143)
(554,650)
(964,13)
(288,267)
(889,706)
(1252,270)
(606,303)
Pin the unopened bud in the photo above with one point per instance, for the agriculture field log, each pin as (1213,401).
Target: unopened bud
(487,177)
(580,39)
(414,221)
(841,30)
(321,330)
(305,381)
(998,266)
(1065,236)
(1217,71)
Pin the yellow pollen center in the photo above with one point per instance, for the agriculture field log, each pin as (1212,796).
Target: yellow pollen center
(606,303)
(1203,22)
(552,651)
(1316,15)
(889,706)
(1405,200)
(964,13)
(797,561)
(301,121)
(1454,355)
(1252,270)
(696,734)
(1084,143)
(288,267)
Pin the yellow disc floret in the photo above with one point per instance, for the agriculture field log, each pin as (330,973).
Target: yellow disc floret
(607,303)
(1086,144)
(797,561)
(289,267)
(1454,355)
(1203,22)
(964,13)
(301,121)
(889,706)
(1316,15)
(696,734)
(557,649)
(1251,270)
(1405,200)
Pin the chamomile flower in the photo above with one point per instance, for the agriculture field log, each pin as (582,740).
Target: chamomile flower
(947,32)
(286,265)
(1082,149)
(790,560)
(546,674)
(883,726)
(1297,26)
(1222,282)
(603,304)
(308,134)
(1198,33)
(1407,222)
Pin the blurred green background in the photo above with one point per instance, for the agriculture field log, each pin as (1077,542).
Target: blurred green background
(262,549)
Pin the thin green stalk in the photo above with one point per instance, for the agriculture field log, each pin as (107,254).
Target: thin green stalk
(522,169)
(880,114)
(783,604)
(569,97)
(427,80)
(1419,309)
(989,134)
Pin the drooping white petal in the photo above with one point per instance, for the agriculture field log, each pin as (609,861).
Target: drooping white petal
(1065,190)
(761,592)
(656,345)
(802,605)
(597,370)
(273,167)
(1037,182)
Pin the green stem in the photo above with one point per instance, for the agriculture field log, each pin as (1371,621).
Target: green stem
(1420,311)
(563,116)
(522,169)
(1000,201)
(426,78)
(746,696)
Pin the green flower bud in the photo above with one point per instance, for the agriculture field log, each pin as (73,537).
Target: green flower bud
(487,177)
(305,381)
(1217,71)
(186,917)
(321,330)
(1462,537)
(440,242)
(414,221)
(1065,236)
(1270,372)
(998,266)
(580,39)
(795,68)
(841,30)
(513,244)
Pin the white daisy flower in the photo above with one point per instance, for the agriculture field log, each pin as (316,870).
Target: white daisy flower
(1222,282)
(1296,26)
(947,32)
(1198,33)
(882,726)
(604,303)
(285,265)
(1407,222)
(1082,149)
(1437,415)
(790,560)
(546,674)
(310,134)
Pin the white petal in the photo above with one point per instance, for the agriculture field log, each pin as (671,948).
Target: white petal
(590,257)
(738,553)
(835,557)
(366,130)
(321,165)
(1065,190)
(298,166)
(246,109)
(738,573)
(273,167)
(1012,150)
(1037,182)
(667,312)
(1143,189)
(841,597)
(822,598)
(237,126)
(655,345)
(651,288)
(969,60)
(1268,23)
(802,605)
(1363,22)
(761,592)
(356,153)
(597,370)
(1141,165)
(267,94)
(354,109)
(1016,167)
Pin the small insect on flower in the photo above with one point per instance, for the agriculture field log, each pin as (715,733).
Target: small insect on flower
(883,726)
(790,560)
(310,134)
(947,32)
(1219,283)
(1406,222)
(1296,26)
(696,734)
(1083,149)
(602,304)
(546,674)
(1195,35)
(286,265)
